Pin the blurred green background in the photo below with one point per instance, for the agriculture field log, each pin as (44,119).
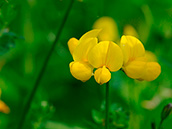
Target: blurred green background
(61,101)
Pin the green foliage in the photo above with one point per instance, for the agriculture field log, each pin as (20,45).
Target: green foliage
(41,112)
(27,30)
(7,41)
(119,117)
(7,12)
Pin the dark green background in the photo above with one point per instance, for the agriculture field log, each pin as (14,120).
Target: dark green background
(61,101)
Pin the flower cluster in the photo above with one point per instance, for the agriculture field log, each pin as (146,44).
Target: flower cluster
(136,65)
(105,56)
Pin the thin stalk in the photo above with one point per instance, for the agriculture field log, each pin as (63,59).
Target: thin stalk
(107,106)
(160,125)
(153,125)
(38,80)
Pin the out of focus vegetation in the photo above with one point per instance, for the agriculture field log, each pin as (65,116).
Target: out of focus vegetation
(27,31)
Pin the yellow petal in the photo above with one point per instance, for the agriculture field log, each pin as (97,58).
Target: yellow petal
(109,29)
(4,108)
(143,58)
(106,53)
(90,34)
(150,56)
(129,30)
(81,51)
(114,57)
(135,69)
(72,43)
(131,48)
(81,70)
(152,71)
(86,42)
(102,75)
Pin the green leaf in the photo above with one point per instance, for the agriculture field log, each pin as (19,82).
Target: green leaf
(7,41)
(97,116)
(166,111)
(7,12)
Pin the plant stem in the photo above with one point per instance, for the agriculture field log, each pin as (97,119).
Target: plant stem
(160,125)
(153,125)
(107,106)
(38,80)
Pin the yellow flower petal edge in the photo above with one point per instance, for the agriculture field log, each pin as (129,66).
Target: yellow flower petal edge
(150,56)
(114,57)
(90,34)
(3,107)
(131,48)
(81,51)
(109,29)
(130,30)
(106,53)
(102,75)
(137,63)
(152,71)
(81,70)
(72,43)
(135,69)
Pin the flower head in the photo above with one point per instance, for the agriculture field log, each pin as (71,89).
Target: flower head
(136,65)
(106,56)
(88,54)
(80,67)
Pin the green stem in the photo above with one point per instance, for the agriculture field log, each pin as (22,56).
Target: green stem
(107,106)
(38,80)
(153,125)
(160,125)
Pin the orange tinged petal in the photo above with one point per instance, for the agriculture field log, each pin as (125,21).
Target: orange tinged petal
(4,108)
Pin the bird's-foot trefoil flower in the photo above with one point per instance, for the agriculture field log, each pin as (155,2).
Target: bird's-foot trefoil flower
(3,107)
(80,68)
(136,65)
(106,56)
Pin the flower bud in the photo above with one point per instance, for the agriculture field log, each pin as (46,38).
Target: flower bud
(81,70)
(166,111)
(102,75)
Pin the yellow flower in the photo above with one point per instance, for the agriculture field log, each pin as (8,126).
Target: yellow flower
(3,107)
(130,30)
(80,67)
(106,56)
(150,56)
(136,65)
(109,29)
